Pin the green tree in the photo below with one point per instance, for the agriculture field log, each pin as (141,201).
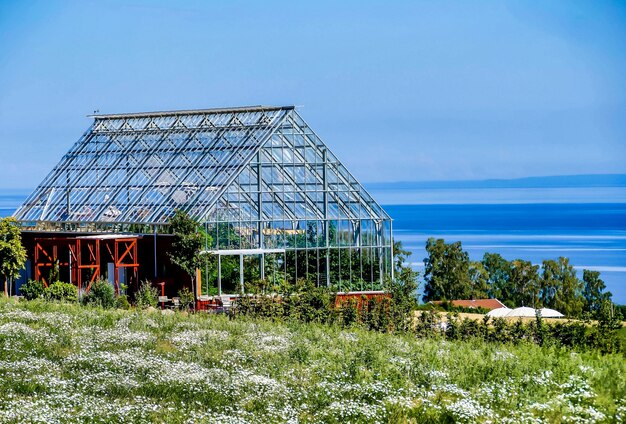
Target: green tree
(403,291)
(525,283)
(12,253)
(550,282)
(560,288)
(446,271)
(568,299)
(593,291)
(400,256)
(479,278)
(499,276)
(187,245)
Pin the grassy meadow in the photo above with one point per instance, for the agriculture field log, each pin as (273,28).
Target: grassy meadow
(66,363)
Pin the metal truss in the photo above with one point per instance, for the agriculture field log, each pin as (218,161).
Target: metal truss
(259,174)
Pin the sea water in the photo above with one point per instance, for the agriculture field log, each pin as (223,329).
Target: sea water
(592,235)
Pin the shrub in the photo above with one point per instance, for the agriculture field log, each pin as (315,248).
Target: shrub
(61,291)
(376,314)
(122,302)
(101,294)
(349,311)
(310,303)
(147,295)
(32,289)
(186,298)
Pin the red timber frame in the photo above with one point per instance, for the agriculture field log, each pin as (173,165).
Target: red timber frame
(83,256)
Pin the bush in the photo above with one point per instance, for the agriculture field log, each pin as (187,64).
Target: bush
(122,302)
(32,290)
(349,312)
(61,291)
(186,298)
(101,294)
(310,303)
(147,295)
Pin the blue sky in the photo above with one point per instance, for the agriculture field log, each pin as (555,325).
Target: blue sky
(399,90)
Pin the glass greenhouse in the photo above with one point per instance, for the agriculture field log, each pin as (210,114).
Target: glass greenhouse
(274,203)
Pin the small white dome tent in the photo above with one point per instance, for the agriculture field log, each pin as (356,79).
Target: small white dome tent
(524,311)
(550,313)
(499,312)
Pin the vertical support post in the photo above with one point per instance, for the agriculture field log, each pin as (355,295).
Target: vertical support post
(260,215)
(98,262)
(393,265)
(79,271)
(136,261)
(69,252)
(379,250)
(198,291)
(67,192)
(219,274)
(241,272)
(205,257)
(37,272)
(115,264)
(326,220)
(55,261)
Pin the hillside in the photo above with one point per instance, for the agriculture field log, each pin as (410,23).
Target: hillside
(65,363)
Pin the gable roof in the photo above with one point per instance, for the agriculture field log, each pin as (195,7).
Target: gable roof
(475,303)
(137,168)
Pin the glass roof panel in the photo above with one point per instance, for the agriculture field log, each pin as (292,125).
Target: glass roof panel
(139,168)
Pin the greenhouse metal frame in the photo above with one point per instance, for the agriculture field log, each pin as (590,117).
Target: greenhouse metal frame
(258,180)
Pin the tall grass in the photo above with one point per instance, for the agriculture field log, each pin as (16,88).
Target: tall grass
(65,363)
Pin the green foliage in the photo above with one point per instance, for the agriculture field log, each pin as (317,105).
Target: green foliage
(349,312)
(603,336)
(61,291)
(121,302)
(188,245)
(560,287)
(186,298)
(302,301)
(499,276)
(609,323)
(593,291)
(479,277)
(306,302)
(450,275)
(446,271)
(400,257)
(309,303)
(32,289)
(525,283)
(403,291)
(12,253)
(53,274)
(101,294)
(147,295)
(150,370)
